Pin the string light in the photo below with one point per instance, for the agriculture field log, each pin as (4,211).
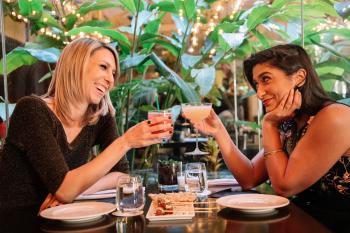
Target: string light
(214,15)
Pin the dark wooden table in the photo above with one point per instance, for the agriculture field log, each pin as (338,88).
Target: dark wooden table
(285,220)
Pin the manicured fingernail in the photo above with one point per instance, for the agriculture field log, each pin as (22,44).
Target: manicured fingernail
(169,117)
(172,125)
(149,122)
(170,132)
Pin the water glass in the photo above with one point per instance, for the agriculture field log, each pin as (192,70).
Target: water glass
(130,194)
(196,177)
(181,181)
(167,175)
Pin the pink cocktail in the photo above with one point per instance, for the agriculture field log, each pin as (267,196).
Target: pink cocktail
(158,113)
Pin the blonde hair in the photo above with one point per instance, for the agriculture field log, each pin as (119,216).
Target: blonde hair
(66,87)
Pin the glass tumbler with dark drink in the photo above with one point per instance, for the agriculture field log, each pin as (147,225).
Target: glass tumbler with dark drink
(167,175)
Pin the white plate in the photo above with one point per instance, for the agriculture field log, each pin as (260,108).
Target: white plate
(185,211)
(78,212)
(222,182)
(253,203)
(98,195)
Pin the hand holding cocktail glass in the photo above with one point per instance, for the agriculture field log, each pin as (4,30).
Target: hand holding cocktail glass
(196,112)
(153,115)
(148,132)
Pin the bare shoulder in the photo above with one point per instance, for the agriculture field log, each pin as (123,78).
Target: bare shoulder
(334,115)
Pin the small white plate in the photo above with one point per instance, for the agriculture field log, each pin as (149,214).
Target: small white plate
(222,182)
(110,193)
(185,211)
(78,212)
(253,203)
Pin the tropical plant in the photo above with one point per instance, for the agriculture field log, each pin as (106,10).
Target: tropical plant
(213,160)
(183,76)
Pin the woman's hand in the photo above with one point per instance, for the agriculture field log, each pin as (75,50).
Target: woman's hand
(210,125)
(149,132)
(285,109)
(50,201)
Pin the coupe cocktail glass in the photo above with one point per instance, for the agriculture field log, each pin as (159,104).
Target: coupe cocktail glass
(196,112)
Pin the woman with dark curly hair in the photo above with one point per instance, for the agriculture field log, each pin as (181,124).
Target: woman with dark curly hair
(305,134)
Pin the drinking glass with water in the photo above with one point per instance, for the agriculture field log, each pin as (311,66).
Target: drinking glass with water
(196,177)
(130,195)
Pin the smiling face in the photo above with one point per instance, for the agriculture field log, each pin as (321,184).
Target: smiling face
(272,84)
(99,75)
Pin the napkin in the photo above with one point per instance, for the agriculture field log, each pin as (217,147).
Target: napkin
(98,195)
(223,182)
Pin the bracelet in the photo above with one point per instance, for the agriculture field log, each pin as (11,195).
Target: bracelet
(272,152)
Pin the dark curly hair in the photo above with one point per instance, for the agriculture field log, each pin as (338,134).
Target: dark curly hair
(290,58)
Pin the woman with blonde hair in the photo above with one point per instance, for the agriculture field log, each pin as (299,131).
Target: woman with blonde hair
(43,162)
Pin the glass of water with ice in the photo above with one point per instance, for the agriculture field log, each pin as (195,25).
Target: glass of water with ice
(196,177)
(130,198)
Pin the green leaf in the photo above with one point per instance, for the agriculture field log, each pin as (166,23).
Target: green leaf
(344,32)
(225,27)
(277,4)
(330,70)
(131,62)
(144,94)
(328,84)
(345,101)
(27,7)
(141,7)
(115,35)
(165,6)
(258,16)
(71,19)
(189,61)
(153,26)
(233,40)
(47,19)
(311,10)
(245,49)
(129,5)
(96,5)
(334,96)
(344,64)
(97,23)
(188,92)
(174,50)
(188,7)
(262,39)
(50,55)
(181,24)
(17,58)
(204,78)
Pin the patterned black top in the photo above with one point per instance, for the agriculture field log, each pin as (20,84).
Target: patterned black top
(36,155)
(334,186)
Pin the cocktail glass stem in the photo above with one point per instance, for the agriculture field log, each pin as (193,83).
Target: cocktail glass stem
(197,151)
